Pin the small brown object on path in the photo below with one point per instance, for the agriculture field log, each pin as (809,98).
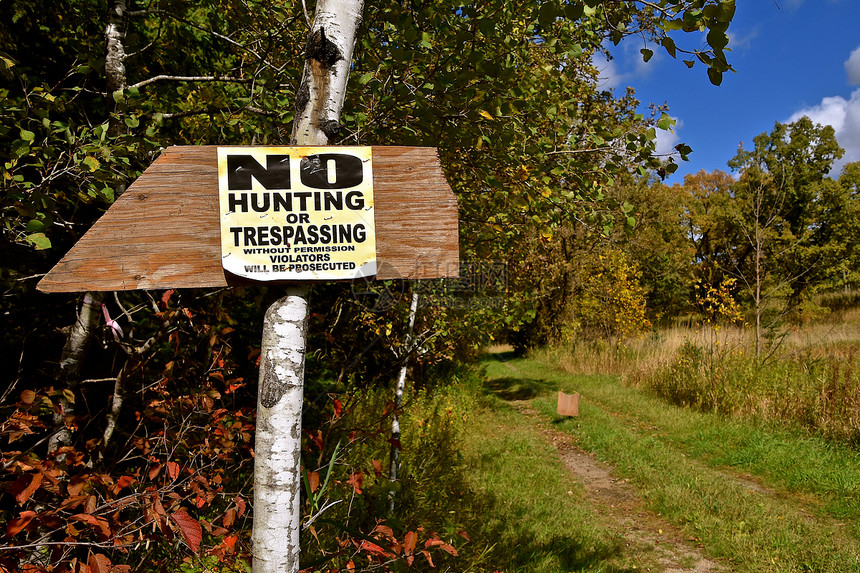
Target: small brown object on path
(568,404)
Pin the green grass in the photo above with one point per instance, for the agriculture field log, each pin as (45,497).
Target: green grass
(754,497)
(528,519)
(797,512)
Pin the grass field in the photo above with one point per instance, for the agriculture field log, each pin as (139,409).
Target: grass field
(754,498)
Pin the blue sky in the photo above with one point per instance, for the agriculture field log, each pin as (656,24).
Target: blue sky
(793,58)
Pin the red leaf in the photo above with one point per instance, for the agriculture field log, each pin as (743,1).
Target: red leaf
(338,408)
(385,531)
(172,470)
(355,480)
(190,528)
(230,541)
(436,542)
(373,549)
(428,558)
(154,471)
(229,517)
(99,564)
(73,502)
(377,467)
(101,523)
(317,438)
(76,484)
(410,542)
(313,480)
(464,535)
(165,298)
(29,484)
(16,525)
(123,482)
(240,505)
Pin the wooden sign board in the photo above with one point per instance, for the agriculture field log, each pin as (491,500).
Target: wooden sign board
(164,230)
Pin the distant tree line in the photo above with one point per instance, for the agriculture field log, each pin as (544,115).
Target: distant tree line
(778,232)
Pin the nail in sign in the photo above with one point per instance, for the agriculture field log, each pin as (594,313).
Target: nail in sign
(297,213)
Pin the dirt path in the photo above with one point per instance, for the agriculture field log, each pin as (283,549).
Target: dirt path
(618,502)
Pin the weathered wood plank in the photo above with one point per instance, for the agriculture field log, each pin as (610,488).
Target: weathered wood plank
(164,231)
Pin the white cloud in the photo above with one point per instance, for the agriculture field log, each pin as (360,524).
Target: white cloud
(852,67)
(610,77)
(625,66)
(844,115)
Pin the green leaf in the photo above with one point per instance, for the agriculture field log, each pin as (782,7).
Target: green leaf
(547,15)
(715,76)
(717,39)
(39,241)
(35,226)
(132,122)
(673,25)
(90,163)
(27,135)
(684,150)
(646,54)
(573,10)
(665,122)
(669,44)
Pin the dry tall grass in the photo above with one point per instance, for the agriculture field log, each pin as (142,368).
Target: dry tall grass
(809,377)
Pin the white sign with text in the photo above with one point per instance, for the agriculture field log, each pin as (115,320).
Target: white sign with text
(297,213)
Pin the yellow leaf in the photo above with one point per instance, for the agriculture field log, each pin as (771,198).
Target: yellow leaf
(486,114)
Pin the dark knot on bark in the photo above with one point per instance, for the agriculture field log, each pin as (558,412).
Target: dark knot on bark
(322,49)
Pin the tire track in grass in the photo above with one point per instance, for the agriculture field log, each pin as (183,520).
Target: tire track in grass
(616,501)
(736,517)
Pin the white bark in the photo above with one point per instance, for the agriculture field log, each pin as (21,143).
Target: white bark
(115,48)
(78,342)
(398,400)
(277,462)
(328,56)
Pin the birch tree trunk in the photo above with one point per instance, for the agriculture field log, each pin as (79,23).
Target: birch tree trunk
(78,342)
(83,331)
(277,462)
(394,469)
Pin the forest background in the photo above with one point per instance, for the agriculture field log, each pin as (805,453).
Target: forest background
(128,418)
